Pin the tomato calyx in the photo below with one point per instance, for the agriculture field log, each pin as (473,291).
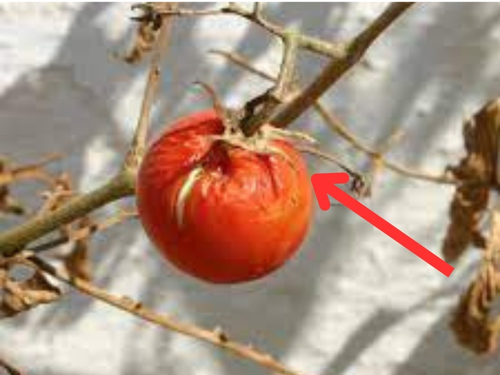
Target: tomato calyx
(260,142)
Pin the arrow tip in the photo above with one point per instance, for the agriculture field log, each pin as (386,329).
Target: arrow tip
(323,183)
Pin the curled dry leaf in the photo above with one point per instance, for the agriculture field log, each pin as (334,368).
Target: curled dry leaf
(8,204)
(147,30)
(472,324)
(144,40)
(34,171)
(10,175)
(77,262)
(55,197)
(20,295)
(481,135)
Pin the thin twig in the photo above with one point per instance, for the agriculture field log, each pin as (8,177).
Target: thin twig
(242,62)
(86,231)
(231,8)
(353,52)
(14,240)
(286,76)
(30,171)
(332,158)
(216,337)
(337,126)
(138,144)
(278,94)
(258,8)
(256,16)
(306,42)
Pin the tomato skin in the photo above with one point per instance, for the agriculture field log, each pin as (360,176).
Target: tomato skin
(245,215)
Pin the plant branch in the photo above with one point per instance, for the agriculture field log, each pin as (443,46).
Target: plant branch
(27,172)
(278,94)
(346,56)
(332,158)
(85,232)
(353,51)
(255,16)
(14,240)
(337,126)
(138,144)
(216,337)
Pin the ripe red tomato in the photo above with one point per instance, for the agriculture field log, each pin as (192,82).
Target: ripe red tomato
(223,214)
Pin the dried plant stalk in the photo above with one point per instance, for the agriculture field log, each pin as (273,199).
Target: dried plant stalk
(481,135)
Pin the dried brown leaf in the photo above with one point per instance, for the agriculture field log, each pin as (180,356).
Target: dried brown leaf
(33,171)
(472,323)
(10,175)
(60,193)
(77,262)
(481,134)
(8,204)
(147,31)
(20,295)
(144,41)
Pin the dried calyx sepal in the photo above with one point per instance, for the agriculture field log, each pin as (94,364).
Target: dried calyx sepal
(260,140)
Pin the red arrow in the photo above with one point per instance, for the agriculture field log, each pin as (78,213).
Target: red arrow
(324,185)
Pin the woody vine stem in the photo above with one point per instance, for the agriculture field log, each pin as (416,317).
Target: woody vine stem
(282,104)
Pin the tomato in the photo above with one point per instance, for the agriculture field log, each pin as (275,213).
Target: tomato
(221,213)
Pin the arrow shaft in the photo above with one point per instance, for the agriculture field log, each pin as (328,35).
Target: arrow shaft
(391,230)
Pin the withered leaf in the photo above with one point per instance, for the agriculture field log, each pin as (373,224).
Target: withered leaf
(481,136)
(18,296)
(143,43)
(147,30)
(10,175)
(472,324)
(77,262)
(8,204)
(59,194)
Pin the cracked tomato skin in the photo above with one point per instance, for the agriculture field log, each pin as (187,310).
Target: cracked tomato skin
(244,215)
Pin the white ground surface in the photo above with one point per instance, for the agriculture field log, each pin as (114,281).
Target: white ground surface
(353,301)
